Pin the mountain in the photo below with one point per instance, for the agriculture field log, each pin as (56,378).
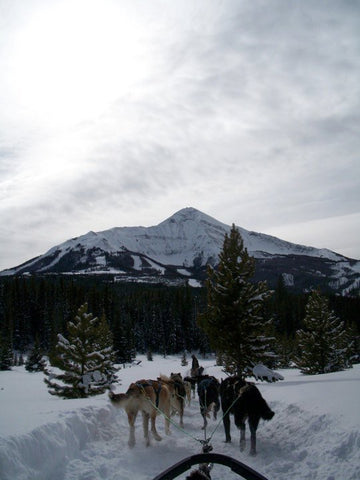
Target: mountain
(180,247)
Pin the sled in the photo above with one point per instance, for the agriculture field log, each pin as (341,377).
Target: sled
(210,458)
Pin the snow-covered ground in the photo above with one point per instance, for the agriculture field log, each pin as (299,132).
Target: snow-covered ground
(314,434)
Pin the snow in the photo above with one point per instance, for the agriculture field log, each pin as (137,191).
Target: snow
(263,373)
(180,239)
(313,435)
(288,279)
(157,267)
(137,262)
(183,271)
(101,260)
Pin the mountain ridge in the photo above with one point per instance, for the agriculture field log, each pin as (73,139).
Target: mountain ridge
(182,246)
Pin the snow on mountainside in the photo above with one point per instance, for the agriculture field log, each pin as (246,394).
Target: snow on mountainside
(184,243)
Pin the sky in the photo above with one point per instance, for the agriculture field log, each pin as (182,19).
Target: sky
(48,438)
(121,112)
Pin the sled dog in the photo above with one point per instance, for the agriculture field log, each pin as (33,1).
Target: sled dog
(150,397)
(244,401)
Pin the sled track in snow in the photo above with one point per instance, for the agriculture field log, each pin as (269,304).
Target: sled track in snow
(91,444)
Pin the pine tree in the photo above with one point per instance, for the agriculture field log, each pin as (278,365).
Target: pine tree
(104,346)
(35,361)
(6,351)
(123,338)
(184,361)
(85,358)
(233,319)
(284,349)
(323,344)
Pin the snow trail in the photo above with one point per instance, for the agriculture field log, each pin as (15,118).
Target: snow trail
(314,434)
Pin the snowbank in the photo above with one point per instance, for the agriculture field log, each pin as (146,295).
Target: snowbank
(314,434)
(44,452)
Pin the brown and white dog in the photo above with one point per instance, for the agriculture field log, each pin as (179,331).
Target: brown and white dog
(187,385)
(178,393)
(188,392)
(150,397)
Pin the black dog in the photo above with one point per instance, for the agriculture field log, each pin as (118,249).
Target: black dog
(193,379)
(202,473)
(208,391)
(244,401)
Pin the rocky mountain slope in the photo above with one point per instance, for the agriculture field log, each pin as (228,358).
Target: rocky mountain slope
(180,247)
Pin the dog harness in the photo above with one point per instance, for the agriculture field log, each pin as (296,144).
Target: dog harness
(150,383)
(205,384)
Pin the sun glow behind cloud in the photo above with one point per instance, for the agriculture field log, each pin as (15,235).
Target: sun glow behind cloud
(73,58)
(115,112)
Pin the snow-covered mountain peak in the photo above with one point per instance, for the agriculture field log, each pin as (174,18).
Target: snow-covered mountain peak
(188,222)
(190,214)
(184,244)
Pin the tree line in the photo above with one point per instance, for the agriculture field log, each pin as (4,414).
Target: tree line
(169,320)
(142,318)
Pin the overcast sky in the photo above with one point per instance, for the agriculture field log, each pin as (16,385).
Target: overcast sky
(119,113)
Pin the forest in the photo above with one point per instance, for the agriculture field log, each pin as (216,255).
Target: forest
(142,317)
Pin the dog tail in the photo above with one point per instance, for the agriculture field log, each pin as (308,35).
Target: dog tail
(117,398)
(266,412)
(250,395)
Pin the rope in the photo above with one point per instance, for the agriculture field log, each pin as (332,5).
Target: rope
(167,418)
(171,421)
(227,411)
(206,447)
(221,419)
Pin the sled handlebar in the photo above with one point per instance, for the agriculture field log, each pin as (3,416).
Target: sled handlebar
(238,467)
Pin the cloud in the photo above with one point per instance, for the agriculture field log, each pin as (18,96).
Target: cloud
(245,110)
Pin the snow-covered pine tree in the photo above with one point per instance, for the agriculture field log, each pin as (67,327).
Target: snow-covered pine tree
(184,361)
(233,319)
(35,361)
(104,342)
(323,344)
(85,358)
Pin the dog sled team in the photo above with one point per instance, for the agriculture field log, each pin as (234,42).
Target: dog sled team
(168,395)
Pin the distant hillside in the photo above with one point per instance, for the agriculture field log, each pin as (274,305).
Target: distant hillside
(180,247)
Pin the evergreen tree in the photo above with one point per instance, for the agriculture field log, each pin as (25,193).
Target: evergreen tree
(6,351)
(104,346)
(35,361)
(233,319)
(123,337)
(323,343)
(284,350)
(184,361)
(85,358)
